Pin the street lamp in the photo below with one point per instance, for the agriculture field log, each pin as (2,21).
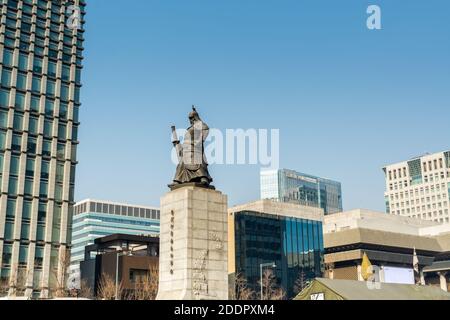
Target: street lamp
(261,266)
(119,254)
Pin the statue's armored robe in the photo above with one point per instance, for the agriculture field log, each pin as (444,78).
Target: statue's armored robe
(193,166)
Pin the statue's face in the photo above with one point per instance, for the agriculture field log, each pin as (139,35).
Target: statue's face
(192,120)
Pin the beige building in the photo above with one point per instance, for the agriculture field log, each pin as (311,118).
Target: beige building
(420,187)
(389,241)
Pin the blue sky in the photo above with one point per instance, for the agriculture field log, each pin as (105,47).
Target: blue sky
(347,100)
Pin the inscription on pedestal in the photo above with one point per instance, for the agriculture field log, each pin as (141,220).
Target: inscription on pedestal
(200,285)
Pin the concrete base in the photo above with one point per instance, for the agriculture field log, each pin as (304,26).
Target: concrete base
(193,245)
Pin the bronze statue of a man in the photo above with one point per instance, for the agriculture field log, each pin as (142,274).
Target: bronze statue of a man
(192,164)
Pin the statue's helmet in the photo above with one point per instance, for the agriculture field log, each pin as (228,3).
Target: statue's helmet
(194,114)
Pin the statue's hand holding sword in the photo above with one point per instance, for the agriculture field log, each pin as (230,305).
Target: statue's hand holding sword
(176,144)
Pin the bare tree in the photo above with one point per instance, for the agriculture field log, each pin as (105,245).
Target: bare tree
(85,290)
(242,291)
(301,282)
(278,294)
(18,282)
(271,289)
(107,288)
(4,287)
(147,287)
(59,276)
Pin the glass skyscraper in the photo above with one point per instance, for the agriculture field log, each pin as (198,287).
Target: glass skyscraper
(41,45)
(295,187)
(95,219)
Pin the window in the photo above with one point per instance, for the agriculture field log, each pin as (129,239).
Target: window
(8,58)
(16,142)
(138,276)
(2,140)
(28,189)
(63,111)
(4,98)
(61,150)
(58,192)
(65,73)
(23,251)
(15,163)
(76,111)
(12,188)
(52,69)
(36,84)
(26,212)
(25,232)
(51,88)
(6,78)
(11,208)
(23,62)
(49,107)
(3,119)
(7,254)
(60,173)
(47,148)
(30,168)
(33,125)
(39,252)
(45,170)
(65,92)
(35,104)
(62,131)
(37,65)
(43,189)
(21,81)
(18,122)
(47,128)
(20,101)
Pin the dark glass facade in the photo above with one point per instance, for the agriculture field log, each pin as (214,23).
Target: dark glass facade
(295,245)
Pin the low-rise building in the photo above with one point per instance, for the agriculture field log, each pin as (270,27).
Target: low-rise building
(127,258)
(328,289)
(95,219)
(389,242)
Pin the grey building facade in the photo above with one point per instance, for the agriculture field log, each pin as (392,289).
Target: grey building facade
(41,45)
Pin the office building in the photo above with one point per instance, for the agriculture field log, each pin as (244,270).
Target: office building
(40,70)
(420,187)
(389,242)
(132,258)
(295,187)
(265,232)
(96,219)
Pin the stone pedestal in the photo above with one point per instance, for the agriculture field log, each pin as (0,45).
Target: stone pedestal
(193,245)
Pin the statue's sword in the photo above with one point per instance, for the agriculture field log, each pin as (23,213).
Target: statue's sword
(178,145)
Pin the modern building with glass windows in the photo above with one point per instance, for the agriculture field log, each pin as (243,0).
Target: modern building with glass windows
(40,68)
(420,187)
(263,232)
(95,219)
(290,186)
